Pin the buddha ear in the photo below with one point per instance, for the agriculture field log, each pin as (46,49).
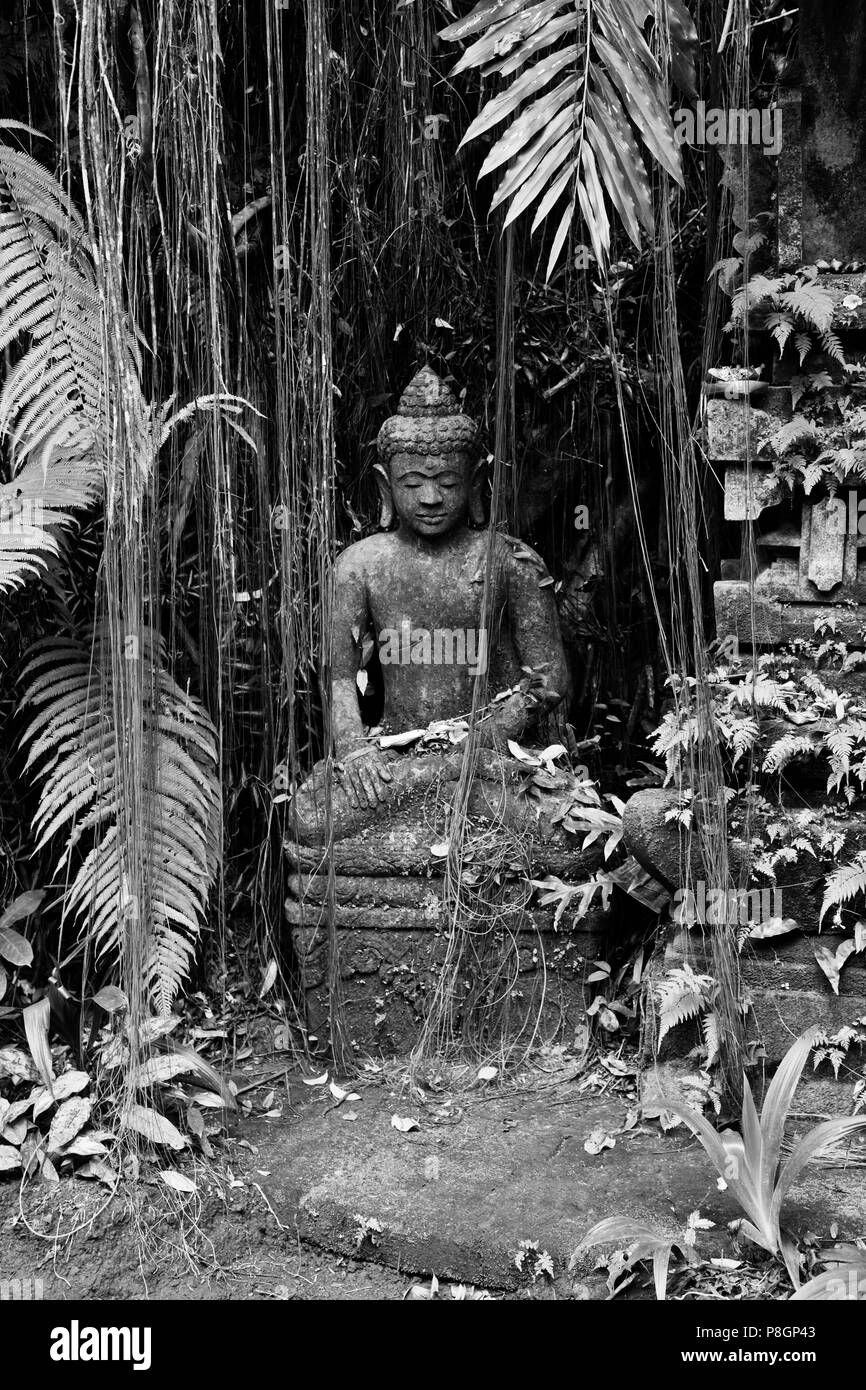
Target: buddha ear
(386,498)
(477,511)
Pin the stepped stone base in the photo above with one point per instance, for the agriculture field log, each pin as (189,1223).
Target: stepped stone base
(789,994)
(393,938)
(789,991)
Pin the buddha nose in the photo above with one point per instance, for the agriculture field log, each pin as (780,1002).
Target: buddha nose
(430,495)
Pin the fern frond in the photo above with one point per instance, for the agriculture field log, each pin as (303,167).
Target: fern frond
(766,694)
(803,344)
(833,346)
(795,432)
(712,1041)
(811,303)
(781,326)
(78,752)
(744,736)
(846,883)
(785,749)
(813,476)
(681,995)
(840,742)
(748,297)
(51,400)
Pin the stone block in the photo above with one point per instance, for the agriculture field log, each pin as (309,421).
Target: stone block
(392,939)
(400,849)
(828,557)
(775,622)
(734,430)
(789,224)
(388,977)
(789,994)
(737,430)
(832,36)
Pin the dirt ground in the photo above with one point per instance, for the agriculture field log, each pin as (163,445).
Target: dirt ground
(124,1253)
(315,1191)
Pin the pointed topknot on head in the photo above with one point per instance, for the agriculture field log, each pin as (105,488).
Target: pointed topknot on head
(428,421)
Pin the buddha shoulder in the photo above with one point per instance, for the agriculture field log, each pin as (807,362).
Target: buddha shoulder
(364,557)
(519,558)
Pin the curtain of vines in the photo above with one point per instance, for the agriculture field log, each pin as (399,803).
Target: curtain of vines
(128,594)
(282,219)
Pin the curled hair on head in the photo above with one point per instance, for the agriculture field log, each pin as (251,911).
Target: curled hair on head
(428,422)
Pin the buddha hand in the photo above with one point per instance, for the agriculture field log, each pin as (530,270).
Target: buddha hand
(364,776)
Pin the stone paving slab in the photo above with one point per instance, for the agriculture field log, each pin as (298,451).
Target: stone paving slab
(457,1196)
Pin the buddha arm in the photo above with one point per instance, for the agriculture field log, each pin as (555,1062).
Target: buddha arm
(351,616)
(535,625)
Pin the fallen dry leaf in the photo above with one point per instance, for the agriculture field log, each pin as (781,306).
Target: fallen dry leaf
(404,1125)
(401,740)
(99,1169)
(85,1146)
(599,1139)
(269,978)
(179,1181)
(774,926)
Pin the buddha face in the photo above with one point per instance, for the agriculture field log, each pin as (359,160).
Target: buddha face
(431,494)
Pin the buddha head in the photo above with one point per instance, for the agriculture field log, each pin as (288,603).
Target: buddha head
(429,473)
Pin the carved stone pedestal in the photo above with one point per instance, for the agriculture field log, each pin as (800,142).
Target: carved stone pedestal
(393,928)
(393,936)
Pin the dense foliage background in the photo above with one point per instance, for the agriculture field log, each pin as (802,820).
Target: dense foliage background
(284,227)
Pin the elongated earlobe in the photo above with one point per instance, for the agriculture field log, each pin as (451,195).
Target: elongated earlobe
(477,511)
(386,500)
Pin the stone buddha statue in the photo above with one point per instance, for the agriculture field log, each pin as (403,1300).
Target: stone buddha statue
(416,591)
(460,616)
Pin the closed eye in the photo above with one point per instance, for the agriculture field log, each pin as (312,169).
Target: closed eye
(414,481)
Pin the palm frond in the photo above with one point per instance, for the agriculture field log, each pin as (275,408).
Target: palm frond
(77,752)
(51,401)
(582,137)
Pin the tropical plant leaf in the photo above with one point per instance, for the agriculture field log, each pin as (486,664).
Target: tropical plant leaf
(684,42)
(643,1243)
(50,404)
(77,753)
(832,1285)
(821,1137)
(153,1126)
(844,1277)
(36,1020)
(581,138)
(750,1164)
